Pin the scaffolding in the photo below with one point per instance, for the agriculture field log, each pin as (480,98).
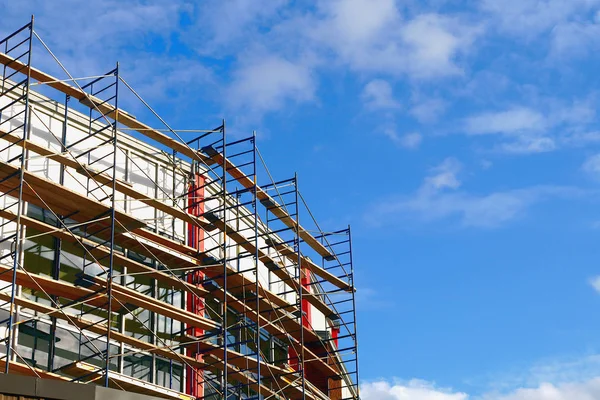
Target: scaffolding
(134,259)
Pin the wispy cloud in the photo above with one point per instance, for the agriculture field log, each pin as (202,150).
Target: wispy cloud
(378,95)
(378,98)
(525,130)
(411,390)
(592,166)
(373,38)
(439,198)
(512,121)
(409,141)
(90,37)
(268,83)
(422,390)
(529,18)
(428,110)
(595,283)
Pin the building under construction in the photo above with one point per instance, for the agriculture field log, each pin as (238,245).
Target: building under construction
(159,262)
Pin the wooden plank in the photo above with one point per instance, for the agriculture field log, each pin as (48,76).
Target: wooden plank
(121,296)
(23,369)
(120,186)
(106,109)
(275,209)
(130,296)
(60,199)
(100,252)
(273,266)
(305,262)
(92,373)
(286,329)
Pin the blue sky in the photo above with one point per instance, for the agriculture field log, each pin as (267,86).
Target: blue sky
(459,139)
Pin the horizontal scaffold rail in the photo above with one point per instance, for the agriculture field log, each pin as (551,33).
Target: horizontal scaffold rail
(305,262)
(62,200)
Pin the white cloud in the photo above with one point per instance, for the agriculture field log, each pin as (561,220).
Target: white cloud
(589,390)
(238,21)
(433,42)
(443,176)
(360,21)
(582,138)
(378,95)
(428,110)
(528,18)
(592,166)
(411,140)
(421,390)
(90,37)
(525,130)
(268,83)
(412,390)
(575,39)
(595,282)
(512,121)
(371,36)
(529,145)
(486,164)
(438,198)
(490,210)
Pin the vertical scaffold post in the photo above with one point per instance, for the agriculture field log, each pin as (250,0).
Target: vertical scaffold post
(58,241)
(354,312)
(300,287)
(224,200)
(256,257)
(19,228)
(109,276)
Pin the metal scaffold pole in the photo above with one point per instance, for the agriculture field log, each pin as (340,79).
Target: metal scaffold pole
(113,209)
(301,280)
(20,231)
(355,338)
(225,388)
(256,259)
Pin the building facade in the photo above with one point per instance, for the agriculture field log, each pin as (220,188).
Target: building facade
(151,260)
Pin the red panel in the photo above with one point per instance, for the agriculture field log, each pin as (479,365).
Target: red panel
(335,332)
(194,384)
(306,317)
(306,308)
